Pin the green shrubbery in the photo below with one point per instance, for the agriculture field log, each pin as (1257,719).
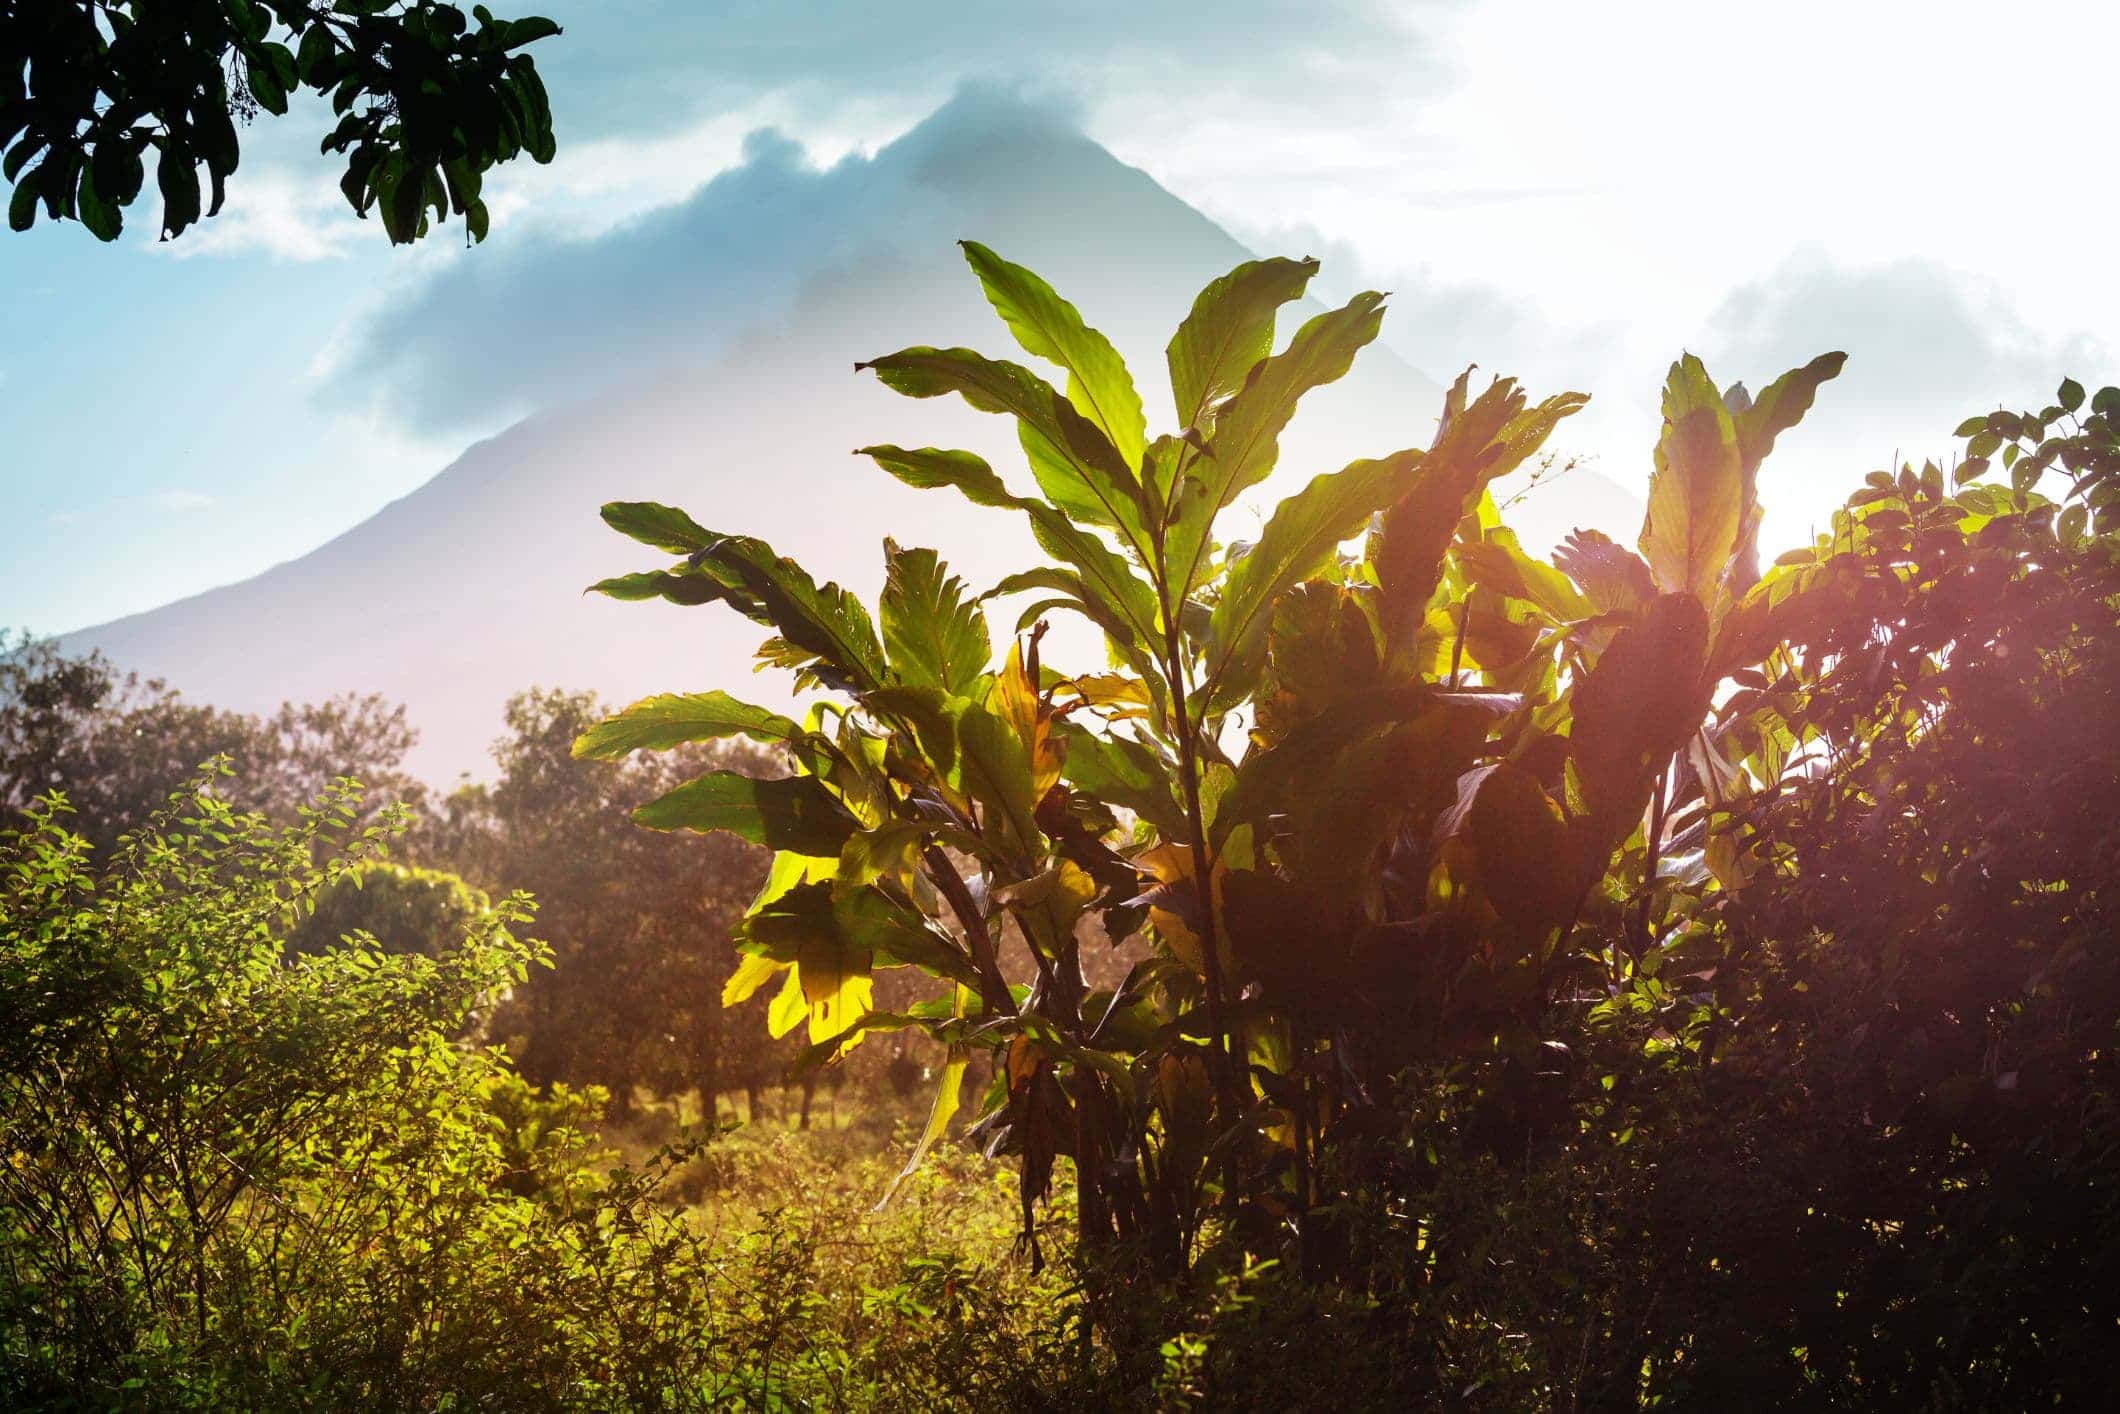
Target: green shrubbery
(1631,981)
(243,1176)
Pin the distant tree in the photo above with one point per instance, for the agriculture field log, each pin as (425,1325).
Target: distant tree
(638,922)
(426,103)
(117,745)
(404,909)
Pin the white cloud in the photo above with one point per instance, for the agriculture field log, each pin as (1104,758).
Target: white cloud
(279,212)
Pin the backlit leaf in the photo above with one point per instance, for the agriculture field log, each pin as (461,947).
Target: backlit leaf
(1228,331)
(932,635)
(1048,327)
(672,719)
(1696,492)
(796,814)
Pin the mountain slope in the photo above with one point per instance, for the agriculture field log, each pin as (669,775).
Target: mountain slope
(736,398)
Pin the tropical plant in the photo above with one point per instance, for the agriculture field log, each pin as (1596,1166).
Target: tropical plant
(1447,743)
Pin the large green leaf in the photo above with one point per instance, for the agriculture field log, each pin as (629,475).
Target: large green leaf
(1123,772)
(1779,407)
(1050,328)
(933,635)
(1228,331)
(1245,441)
(930,467)
(1696,493)
(1104,571)
(1495,562)
(795,814)
(994,769)
(664,527)
(815,919)
(1299,539)
(1074,462)
(672,719)
(825,633)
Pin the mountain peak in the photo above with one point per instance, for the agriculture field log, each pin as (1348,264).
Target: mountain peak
(702,356)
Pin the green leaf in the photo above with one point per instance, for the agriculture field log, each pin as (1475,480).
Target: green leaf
(103,219)
(1228,331)
(1495,562)
(178,178)
(929,467)
(1073,461)
(994,769)
(1245,441)
(1696,492)
(825,633)
(947,1099)
(814,921)
(672,719)
(22,206)
(883,852)
(932,635)
(1297,542)
(1048,327)
(795,814)
(686,589)
(2070,395)
(1780,407)
(1105,575)
(1123,772)
(663,527)
(266,87)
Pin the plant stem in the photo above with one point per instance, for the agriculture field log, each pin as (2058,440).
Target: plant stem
(1219,1063)
(993,987)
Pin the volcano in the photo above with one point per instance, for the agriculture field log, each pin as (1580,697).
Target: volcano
(733,395)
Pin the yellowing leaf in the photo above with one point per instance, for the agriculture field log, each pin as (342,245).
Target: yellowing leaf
(753,970)
(1696,493)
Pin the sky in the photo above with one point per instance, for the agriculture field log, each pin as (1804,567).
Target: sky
(1569,193)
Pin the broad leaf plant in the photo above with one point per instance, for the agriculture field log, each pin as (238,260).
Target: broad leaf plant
(1377,788)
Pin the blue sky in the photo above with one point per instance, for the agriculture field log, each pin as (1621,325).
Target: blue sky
(1565,191)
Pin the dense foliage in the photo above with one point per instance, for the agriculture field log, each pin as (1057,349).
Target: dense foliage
(1448,858)
(1404,968)
(426,102)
